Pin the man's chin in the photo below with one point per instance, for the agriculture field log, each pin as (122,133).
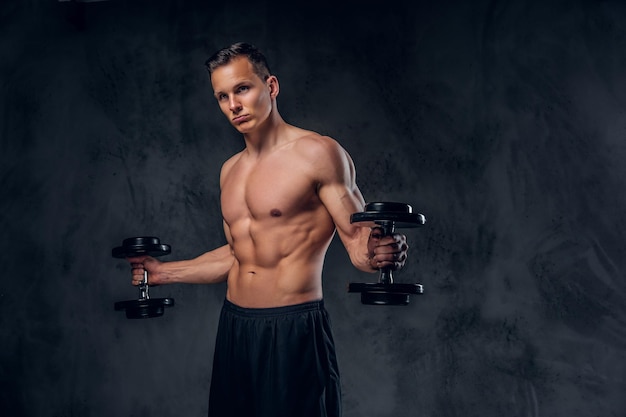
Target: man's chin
(242,127)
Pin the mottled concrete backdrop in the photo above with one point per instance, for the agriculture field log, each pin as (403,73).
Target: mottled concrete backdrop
(504,122)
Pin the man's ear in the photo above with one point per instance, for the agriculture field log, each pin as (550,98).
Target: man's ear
(272,84)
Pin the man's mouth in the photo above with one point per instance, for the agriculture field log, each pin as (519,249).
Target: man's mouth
(241,119)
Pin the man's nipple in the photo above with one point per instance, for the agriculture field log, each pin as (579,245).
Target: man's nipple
(275,213)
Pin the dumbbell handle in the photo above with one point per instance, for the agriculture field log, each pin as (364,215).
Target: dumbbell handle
(143,287)
(386,273)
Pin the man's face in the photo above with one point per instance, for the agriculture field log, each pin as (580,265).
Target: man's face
(243,97)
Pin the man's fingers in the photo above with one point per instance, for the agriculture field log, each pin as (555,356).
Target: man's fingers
(391,252)
(137,272)
(392,248)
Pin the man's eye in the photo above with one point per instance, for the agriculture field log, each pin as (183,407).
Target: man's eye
(242,89)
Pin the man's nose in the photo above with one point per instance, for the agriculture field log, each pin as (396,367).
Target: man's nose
(233,104)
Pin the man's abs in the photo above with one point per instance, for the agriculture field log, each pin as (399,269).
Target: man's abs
(255,287)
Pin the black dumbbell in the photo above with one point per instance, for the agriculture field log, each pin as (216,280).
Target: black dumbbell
(144,306)
(387,216)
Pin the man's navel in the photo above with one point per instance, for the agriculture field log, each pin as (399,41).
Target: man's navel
(275,213)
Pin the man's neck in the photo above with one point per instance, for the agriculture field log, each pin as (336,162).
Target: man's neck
(267,136)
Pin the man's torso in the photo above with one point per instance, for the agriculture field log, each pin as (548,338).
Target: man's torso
(277,226)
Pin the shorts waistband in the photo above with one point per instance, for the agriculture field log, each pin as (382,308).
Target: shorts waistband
(274,311)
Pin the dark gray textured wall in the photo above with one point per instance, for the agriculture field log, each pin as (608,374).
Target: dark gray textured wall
(502,121)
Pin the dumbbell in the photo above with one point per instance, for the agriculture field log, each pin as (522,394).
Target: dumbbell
(144,306)
(388,216)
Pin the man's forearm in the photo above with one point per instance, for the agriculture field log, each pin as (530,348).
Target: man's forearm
(357,247)
(209,268)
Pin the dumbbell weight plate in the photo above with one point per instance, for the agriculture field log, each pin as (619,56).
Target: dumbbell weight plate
(139,246)
(143,309)
(385,294)
(399,213)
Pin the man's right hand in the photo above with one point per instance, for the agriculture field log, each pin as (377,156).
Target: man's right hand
(140,264)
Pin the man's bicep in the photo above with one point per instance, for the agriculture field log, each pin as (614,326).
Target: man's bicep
(338,187)
(341,201)
(342,197)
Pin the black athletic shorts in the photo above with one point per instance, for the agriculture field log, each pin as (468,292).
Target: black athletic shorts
(275,362)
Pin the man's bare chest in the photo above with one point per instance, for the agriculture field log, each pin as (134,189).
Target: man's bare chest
(268,190)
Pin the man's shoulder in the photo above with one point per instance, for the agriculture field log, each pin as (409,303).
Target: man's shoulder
(314,141)
(231,160)
(228,164)
(324,154)
(322,147)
